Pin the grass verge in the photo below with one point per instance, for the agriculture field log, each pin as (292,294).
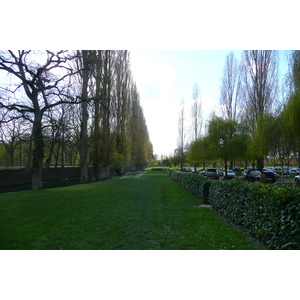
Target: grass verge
(150,212)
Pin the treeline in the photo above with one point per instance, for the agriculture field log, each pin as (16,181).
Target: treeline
(259,118)
(78,108)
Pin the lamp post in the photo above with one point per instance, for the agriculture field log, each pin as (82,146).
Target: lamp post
(223,147)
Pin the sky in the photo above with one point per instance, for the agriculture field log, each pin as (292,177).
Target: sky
(166,78)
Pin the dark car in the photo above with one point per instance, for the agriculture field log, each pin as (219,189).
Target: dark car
(275,174)
(261,175)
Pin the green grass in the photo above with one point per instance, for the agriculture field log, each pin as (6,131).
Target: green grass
(150,212)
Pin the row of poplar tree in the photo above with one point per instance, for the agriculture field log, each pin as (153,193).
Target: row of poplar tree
(72,107)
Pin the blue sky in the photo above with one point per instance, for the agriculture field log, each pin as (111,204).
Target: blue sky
(165,77)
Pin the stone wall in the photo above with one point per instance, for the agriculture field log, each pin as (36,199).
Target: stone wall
(23,176)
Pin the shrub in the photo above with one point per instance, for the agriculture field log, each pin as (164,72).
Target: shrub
(195,184)
(268,212)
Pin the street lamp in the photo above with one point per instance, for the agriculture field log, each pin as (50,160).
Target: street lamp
(222,146)
(221,143)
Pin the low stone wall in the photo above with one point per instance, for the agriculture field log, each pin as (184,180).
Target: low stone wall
(23,176)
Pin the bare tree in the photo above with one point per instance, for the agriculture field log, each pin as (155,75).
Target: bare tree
(123,81)
(12,129)
(181,142)
(57,128)
(45,78)
(230,88)
(196,112)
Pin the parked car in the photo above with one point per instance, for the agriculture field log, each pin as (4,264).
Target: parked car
(272,170)
(285,171)
(203,172)
(294,172)
(213,173)
(230,174)
(262,175)
(253,175)
(297,179)
(186,170)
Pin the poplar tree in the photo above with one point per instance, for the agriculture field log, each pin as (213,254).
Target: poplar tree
(259,87)
(230,88)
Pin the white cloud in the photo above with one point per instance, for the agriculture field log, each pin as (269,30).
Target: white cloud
(155,83)
(151,72)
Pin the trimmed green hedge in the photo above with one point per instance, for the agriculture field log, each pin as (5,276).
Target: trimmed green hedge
(197,185)
(269,212)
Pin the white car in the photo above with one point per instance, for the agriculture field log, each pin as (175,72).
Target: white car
(230,174)
(297,179)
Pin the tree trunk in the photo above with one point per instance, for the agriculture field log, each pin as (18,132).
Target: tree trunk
(96,137)
(84,174)
(226,167)
(11,157)
(63,151)
(260,163)
(29,153)
(231,164)
(37,153)
(20,154)
(56,155)
(49,159)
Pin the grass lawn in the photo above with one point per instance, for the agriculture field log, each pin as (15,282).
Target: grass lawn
(150,212)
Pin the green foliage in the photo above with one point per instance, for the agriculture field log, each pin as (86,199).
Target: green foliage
(270,213)
(233,136)
(119,163)
(3,153)
(296,69)
(262,138)
(273,136)
(293,112)
(200,152)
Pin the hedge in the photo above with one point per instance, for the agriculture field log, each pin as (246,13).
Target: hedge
(197,185)
(268,212)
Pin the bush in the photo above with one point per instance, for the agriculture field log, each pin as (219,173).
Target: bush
(268,212)
(195,184)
